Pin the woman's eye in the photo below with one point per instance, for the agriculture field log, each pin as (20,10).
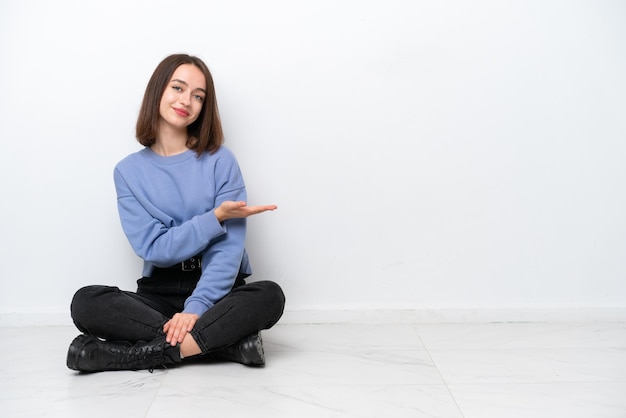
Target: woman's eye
(199,98)
(177,88)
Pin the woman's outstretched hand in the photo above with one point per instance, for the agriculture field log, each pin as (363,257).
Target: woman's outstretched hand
(231,210)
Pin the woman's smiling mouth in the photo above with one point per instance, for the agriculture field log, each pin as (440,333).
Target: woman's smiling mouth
(181,112)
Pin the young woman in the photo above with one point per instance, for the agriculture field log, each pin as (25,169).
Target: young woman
(182,205)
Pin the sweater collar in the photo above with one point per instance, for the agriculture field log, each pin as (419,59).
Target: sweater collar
(172,159)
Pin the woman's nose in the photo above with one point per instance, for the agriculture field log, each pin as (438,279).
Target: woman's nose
(184,99)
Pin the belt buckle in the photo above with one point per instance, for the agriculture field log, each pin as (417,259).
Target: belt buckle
(191,264)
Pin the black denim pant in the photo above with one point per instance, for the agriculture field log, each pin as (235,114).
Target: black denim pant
(116,315)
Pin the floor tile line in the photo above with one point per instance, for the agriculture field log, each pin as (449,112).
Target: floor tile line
(456,404)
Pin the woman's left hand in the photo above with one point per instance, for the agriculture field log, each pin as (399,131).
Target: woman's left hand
(177,328)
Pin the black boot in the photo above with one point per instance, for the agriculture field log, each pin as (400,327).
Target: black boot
(90,354)
(248,351)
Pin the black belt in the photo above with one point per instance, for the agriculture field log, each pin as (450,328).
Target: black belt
(191,264)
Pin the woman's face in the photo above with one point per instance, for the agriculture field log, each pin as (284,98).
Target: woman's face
(183,97)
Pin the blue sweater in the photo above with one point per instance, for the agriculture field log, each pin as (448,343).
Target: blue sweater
(166,209)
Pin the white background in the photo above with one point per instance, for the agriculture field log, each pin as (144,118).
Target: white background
(424,155)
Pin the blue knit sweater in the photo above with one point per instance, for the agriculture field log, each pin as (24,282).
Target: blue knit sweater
(166,209)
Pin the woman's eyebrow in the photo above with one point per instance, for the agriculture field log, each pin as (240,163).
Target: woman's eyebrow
(185,83)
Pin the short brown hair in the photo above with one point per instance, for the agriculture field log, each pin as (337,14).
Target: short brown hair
(205,133)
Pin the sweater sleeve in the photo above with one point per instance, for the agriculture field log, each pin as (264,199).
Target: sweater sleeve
(154,236)
(222,259)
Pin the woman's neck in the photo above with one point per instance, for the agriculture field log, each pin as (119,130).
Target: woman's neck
(170,142)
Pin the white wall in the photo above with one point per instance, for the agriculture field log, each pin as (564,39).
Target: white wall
(424,155)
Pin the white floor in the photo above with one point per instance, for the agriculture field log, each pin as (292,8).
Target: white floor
(502,370)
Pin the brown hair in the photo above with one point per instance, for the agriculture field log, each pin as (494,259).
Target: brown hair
(205,133)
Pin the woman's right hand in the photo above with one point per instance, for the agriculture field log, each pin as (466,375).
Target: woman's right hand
(231,210)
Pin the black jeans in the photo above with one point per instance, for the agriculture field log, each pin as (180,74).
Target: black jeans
(116,315)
